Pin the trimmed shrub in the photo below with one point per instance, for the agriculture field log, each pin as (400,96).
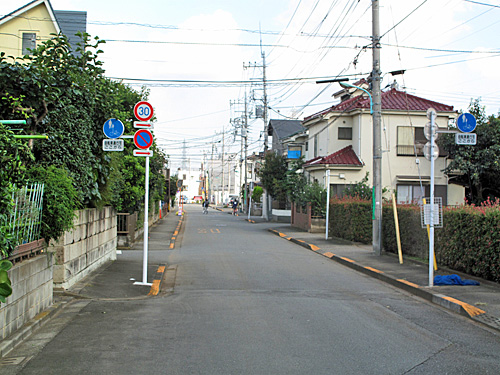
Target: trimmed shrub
(351,219)
(469,240)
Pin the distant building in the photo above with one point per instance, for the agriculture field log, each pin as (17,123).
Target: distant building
(280,130)
(33,23)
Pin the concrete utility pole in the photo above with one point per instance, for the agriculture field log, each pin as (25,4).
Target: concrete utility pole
(245,133)
(377,131)
(222,166)
(265,197)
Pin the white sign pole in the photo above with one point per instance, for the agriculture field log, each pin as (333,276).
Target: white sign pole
(432,114)
(146,228)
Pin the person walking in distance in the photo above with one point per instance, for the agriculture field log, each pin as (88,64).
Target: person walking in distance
(235,207)
(205,206)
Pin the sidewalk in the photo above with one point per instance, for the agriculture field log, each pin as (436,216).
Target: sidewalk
(113,281)
(116,281)
(480,303)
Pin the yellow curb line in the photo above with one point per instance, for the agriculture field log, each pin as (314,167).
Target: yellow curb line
(408,283)
(471,310)
(374,269)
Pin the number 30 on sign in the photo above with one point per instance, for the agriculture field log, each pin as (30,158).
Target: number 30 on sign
(143,111)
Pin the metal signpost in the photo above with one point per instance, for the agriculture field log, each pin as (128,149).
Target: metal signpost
(143,139)
(431,152)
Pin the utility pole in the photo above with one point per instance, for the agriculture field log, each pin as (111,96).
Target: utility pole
(377,131)
(265,209)
(222,166)
(264,83)
(245,133)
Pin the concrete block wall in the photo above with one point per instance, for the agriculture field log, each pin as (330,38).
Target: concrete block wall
(86,247)
(32,291)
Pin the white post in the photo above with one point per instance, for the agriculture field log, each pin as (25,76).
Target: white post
(146,230)
(431,213)
(327,202)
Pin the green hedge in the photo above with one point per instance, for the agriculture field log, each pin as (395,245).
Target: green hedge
(469,240)
(351,219)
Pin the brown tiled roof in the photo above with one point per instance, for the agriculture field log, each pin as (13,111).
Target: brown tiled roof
(346,156)
(391,100)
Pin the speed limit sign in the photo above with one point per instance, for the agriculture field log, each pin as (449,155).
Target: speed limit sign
(143,111)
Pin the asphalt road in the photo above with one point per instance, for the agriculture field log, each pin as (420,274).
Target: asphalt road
(247,302)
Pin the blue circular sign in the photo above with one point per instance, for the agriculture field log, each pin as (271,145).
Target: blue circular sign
(466,123)
(113,128)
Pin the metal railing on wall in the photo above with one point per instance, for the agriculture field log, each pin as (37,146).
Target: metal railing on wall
(26,216)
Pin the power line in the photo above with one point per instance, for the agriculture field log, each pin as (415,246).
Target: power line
(479,3)
(408,15)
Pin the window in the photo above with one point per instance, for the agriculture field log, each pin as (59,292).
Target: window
(345,133)
(411,193)
(414,194)
(29,42)
(408,137)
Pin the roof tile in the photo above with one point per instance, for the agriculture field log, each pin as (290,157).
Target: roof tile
(391,100)
(345,156)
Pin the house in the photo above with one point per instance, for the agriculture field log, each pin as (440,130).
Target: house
(32,24)
(280,130)
(340,139)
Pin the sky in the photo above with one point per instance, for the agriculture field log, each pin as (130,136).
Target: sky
(449,50)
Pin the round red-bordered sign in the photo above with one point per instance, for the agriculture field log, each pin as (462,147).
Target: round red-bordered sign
(143,139)
(143,111)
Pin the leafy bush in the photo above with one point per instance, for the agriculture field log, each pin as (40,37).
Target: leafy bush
(60,200)
(360,189)
(257,194)
(469,240)
(316,195)
(414,239)
(5,284)
(351,219)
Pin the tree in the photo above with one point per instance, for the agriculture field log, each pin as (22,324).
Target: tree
(67,97)
(478,165)
(273,176)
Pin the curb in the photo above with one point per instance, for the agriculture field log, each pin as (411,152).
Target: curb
(452,304)
(176,233)
(157,279)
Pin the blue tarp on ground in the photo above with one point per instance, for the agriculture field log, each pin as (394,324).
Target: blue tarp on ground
(453,280)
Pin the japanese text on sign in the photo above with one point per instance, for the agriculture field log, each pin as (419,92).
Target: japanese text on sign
(465,138)
(112,144)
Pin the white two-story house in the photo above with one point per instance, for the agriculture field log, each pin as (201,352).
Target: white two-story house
(340,139)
